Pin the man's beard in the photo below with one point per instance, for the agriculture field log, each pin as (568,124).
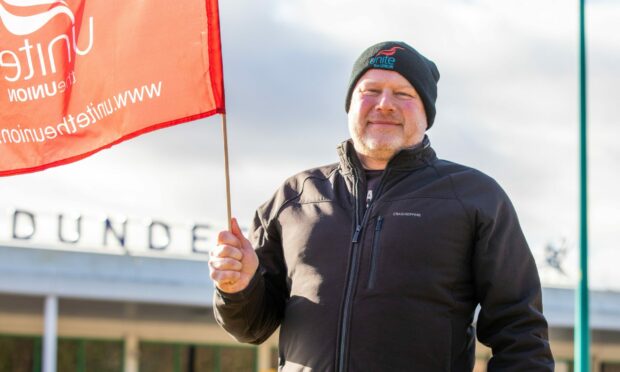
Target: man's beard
(381,147)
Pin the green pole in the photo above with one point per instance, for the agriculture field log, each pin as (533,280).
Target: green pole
(582,323)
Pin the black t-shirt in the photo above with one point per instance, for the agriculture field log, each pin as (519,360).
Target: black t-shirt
(372,181)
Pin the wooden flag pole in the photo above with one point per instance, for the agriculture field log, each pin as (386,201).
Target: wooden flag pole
(226,170)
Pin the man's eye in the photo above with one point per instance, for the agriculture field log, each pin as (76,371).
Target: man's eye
(371,91)
(404,94)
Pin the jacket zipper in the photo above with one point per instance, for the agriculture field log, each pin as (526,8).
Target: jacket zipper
(354,256)
(341,356)
(374,253)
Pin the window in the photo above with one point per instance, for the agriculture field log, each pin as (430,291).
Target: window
(103,356)
(159,357)
(20,354)
(81,355)
(167,357)
(237,359)
(610,367)
(205,358)
(23,354)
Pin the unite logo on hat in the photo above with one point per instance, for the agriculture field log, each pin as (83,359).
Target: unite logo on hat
(383,59)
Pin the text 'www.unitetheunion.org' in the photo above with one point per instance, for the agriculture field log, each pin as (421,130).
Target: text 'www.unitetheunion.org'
(92,113)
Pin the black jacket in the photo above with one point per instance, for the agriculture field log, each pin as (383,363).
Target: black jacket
(393,287)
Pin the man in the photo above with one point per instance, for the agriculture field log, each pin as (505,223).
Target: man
(377,263)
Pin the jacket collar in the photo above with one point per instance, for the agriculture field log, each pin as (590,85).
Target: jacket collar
(405,159)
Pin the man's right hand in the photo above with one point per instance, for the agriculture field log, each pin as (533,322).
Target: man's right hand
(233,261)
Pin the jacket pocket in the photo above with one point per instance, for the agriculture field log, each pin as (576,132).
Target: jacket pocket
(374,253)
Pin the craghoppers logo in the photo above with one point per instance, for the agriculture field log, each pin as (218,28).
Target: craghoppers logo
(407,214)
(36,54)
(384,58)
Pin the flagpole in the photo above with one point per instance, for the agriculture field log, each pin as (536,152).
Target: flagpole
(227,172)
(582,323)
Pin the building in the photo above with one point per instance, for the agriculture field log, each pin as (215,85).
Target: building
(119,303)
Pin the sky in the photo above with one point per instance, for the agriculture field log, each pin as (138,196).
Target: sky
(508,105)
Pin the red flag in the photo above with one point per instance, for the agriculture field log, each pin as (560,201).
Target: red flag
(79,76)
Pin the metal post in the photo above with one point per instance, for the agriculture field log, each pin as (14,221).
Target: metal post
(132,353)
(50,334)
(264,357)
(582,323)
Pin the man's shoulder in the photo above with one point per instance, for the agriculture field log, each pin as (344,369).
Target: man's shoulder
(314,184)
(460,171)
(469,182)
(310,185)
(323,172)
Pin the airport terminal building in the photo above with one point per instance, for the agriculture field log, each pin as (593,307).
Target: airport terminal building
(97,293)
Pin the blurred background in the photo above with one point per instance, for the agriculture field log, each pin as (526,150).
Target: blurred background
(130,291)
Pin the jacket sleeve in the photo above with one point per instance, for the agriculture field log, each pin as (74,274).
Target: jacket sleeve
(508,289)
(253,314)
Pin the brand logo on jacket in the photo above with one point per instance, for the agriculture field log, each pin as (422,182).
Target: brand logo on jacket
(407,214)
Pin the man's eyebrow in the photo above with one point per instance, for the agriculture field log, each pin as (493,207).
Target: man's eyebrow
(373,82)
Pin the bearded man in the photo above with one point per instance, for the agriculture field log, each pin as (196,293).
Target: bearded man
(378,262)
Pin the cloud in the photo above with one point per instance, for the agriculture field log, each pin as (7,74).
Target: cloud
(508,105)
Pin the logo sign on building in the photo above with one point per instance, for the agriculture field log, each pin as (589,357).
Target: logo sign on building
(78,76)
(111,234)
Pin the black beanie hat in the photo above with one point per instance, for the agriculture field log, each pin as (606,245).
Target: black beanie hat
(402,58)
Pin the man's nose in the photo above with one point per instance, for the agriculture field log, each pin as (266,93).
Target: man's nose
(386,101)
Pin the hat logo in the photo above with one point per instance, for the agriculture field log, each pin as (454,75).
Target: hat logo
(388,52)
(383,59)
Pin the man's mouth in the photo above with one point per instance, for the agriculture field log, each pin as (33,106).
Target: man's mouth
(383,122)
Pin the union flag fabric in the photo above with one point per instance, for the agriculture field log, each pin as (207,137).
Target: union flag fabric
(78,76)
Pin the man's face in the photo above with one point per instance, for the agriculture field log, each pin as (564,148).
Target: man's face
(386,115)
